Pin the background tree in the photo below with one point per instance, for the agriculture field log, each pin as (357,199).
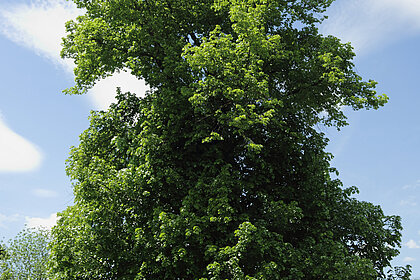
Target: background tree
(218,172)
(26,256)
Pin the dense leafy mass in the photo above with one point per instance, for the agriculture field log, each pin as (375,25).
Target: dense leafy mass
(25,256)
(218,172)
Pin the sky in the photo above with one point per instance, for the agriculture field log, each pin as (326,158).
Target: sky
(378,152)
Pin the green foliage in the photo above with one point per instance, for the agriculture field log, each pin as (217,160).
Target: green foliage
(218,172)
(3,253)
(25,256)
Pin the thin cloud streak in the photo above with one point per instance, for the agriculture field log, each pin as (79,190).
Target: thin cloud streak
(408,259)
(44,193)
(409,202)
(411,244)
(368,24)
(16,153)
(5,219)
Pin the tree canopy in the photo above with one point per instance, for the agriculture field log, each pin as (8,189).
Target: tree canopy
(25,256)
(218,172)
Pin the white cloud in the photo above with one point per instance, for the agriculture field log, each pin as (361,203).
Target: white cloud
(44,193)
(34,222)
(103,93)
(411,201)
(369,23)
(412,186)
(412,244)
(39,26)
(407,203)
(4,219)
(408,259)
(16,153)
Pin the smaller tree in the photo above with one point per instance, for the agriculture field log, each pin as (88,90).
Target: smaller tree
(26,255)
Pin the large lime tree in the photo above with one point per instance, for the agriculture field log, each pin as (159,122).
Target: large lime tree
(218,172)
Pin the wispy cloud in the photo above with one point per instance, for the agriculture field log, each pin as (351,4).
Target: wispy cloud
(370,23)
(412,244)
(412,186)
(5,219)
(16,153)
(35,222)
(411,201)
(39,26)
(408,259)
(44,193)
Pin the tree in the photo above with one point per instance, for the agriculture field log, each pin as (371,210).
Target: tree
(219,171)
(25,256)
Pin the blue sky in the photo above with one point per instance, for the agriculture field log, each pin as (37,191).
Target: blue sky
(378,152)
